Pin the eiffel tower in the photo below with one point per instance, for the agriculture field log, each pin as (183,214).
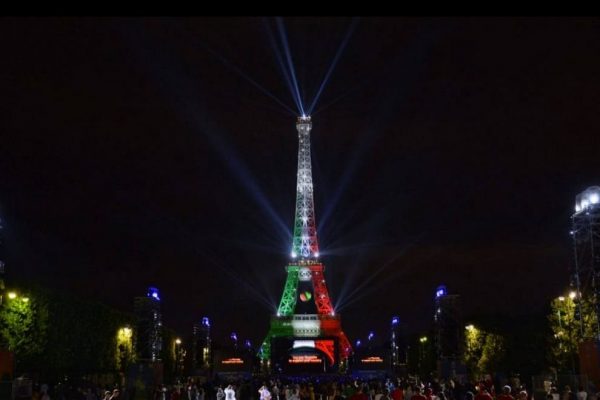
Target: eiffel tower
(306,328)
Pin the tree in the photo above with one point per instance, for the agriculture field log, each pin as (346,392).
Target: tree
(570,322)
(23,327)
(484,351)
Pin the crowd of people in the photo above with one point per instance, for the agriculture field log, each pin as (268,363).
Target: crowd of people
(318,389)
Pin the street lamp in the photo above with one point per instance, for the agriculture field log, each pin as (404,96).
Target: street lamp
(572,294)
(178,354)
(12,295)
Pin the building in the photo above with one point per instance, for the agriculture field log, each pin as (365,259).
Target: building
(306,333)
(148,336)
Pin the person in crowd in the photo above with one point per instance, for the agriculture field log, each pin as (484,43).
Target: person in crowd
(483,393)
(418,393)
(505,395)
(397,393)
(264,392)
(581,394)
(220,393)
(229,392)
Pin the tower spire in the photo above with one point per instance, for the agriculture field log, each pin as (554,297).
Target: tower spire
(304,244)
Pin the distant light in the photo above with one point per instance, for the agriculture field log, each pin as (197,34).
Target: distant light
(317,254)
(423,339)
(577,208)
(233,336)
(177,341)
(294,255)
(125,333)
(371,334)
(358,343)
(470,327)
(395,320)
(12,295)
(572,295)
(25,299)
(594,198)
(561,298)
(153,292)
(248,343)
(205,321)
(440,291)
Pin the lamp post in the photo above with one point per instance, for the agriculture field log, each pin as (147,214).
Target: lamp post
(177,357)
(423,342)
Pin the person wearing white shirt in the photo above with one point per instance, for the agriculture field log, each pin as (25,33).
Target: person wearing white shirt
(229,393)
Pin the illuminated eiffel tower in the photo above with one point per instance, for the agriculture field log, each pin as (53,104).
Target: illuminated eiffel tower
(306,329)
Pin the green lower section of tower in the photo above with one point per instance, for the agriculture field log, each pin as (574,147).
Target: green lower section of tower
(279,328)
(288,299)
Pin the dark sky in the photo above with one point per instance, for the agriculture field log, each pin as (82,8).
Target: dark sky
(136,152)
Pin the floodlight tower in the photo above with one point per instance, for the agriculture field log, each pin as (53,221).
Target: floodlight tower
(149,329)
(586,241)
(394,341)
(202,346)
(1,266)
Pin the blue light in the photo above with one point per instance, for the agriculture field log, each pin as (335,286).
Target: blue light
(153,293)
(205,322)
(248,343)
(440,291)
(358,343)
(234,336)
(395,320)
(371,334)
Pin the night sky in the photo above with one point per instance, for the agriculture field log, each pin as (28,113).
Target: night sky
(137,152)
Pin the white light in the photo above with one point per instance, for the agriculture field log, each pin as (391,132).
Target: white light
(584,203)
(294,255)
(317,254)
(577,208)
(303,343)
(594,198)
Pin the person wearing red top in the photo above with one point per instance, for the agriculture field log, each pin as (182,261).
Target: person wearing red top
(505,394)
(359,395)
(418,394)
(483,394)
(397,394)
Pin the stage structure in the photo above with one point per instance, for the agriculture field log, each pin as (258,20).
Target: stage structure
(306,333)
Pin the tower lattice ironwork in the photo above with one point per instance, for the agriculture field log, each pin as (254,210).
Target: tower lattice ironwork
(305,309)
